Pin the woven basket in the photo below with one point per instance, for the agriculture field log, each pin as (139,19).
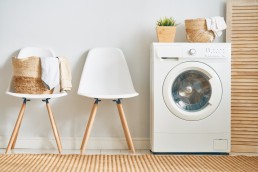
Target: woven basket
(27,76)
(196,31)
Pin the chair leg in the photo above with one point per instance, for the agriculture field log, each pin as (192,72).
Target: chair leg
(125,126)
(53,124)
(15,132)
(15,139)
(89,126)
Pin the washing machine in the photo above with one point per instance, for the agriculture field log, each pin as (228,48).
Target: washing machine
(190,97)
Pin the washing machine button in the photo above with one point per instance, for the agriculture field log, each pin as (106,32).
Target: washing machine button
(192,51)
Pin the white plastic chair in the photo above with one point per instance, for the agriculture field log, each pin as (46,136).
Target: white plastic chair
(106,76)
(40,52)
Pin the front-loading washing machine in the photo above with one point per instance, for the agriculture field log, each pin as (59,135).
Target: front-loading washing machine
(190,97)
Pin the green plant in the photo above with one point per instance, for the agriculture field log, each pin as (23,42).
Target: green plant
(166,22)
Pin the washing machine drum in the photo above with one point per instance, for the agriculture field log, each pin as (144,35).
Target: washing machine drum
(192,91)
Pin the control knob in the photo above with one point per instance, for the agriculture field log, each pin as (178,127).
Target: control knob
(192,51)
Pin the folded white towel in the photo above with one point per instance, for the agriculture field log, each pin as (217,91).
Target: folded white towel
(216,24)
(50,71)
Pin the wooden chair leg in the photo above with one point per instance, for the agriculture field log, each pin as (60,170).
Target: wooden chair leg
(14,136)
(89,126)
(125,126)
(15,139)
(53,124)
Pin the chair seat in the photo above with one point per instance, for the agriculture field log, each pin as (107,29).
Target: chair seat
(37,96)
(113,96)
(106,75)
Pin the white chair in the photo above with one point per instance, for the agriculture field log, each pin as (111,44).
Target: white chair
(106,76)
(40,52)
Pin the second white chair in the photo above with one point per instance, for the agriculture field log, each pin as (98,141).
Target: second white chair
(106,76)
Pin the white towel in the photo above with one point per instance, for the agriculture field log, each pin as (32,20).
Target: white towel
(50,71)
(216,24)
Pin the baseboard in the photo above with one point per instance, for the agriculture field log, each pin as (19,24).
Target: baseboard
(75,143)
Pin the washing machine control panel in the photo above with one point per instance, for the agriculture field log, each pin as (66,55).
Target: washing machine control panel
(177,51)
(215,52)
(205,51)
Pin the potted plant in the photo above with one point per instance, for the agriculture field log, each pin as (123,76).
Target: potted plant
(166,29)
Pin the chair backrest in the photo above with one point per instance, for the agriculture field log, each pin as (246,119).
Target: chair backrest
(35,51)
(106,75)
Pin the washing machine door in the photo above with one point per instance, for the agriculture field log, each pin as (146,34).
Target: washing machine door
(192,91)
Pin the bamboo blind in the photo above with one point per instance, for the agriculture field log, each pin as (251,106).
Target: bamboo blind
(242,32)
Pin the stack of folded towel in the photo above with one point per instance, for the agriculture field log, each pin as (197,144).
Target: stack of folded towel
(216,24)
(56,71)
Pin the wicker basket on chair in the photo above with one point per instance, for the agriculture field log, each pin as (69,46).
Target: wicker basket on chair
(27,76)
(196,31)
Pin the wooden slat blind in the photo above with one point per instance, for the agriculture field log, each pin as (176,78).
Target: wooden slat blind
(242,32)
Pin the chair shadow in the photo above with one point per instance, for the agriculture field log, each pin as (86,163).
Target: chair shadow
(8,103)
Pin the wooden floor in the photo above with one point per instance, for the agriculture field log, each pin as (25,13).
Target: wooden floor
(119,163)
(93,152)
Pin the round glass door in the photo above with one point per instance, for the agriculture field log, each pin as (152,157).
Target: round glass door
(192,91)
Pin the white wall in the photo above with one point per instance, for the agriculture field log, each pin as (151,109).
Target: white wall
(71,28)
